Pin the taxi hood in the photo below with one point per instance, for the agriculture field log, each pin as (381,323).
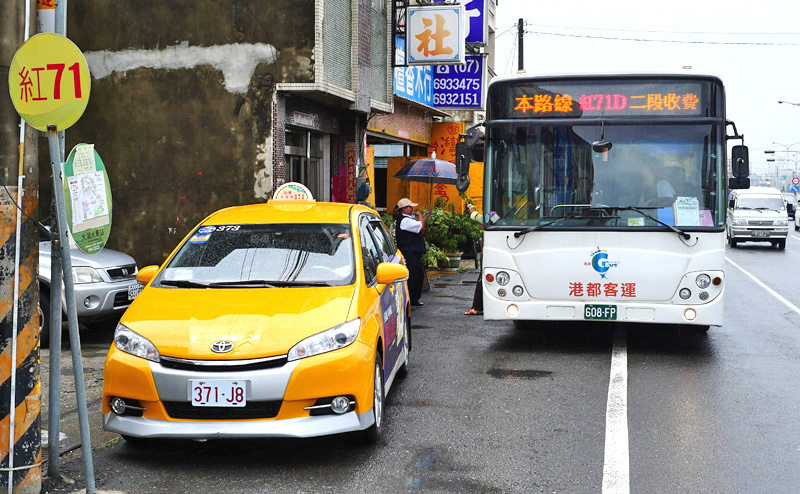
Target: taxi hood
(263,322)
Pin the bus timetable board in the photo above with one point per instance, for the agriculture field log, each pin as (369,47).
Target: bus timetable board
(535,99)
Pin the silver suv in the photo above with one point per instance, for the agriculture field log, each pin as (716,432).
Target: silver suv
(105,285)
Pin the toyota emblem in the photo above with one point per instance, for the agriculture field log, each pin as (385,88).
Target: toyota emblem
(222,346)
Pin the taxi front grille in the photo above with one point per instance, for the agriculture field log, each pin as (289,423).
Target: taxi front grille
(253,410)
(223,365)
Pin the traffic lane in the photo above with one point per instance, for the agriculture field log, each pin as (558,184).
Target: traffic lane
(778,269)
(485,408)
(718,413)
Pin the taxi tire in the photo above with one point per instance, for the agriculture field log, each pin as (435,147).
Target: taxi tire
(402,372)
(373,434)
(44,319)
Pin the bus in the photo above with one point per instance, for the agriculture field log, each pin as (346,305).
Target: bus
(605,198)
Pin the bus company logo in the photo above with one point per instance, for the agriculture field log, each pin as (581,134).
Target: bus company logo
(600,262)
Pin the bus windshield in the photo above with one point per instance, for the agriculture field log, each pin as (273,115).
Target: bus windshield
(610,174)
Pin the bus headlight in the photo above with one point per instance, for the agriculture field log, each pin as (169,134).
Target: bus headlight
(685,293)
(502,278)
(517,291)
(703,281)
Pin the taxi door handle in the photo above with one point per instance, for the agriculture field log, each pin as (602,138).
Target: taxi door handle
(391,288)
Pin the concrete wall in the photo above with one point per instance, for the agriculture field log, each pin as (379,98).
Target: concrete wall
(181,107)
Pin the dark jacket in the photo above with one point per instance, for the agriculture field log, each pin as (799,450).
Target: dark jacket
(408,241)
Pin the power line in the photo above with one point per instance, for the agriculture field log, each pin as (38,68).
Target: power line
(645,40)
(659,31)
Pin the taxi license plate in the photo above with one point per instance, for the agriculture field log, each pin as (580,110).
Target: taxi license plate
(759,233)
(601,312)
(218,393)
(134,290)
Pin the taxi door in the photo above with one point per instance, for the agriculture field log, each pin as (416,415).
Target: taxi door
(377,247)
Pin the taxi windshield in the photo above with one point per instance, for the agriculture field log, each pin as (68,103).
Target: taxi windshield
(263,256)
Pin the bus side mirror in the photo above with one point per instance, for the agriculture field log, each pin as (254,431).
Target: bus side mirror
(740,164)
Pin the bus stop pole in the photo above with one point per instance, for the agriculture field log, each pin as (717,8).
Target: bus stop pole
(72,314)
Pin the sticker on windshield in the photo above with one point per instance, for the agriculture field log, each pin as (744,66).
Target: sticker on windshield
(206,229)
(200,239)
(343,235)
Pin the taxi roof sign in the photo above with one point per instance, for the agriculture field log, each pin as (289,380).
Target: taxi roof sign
(292,191)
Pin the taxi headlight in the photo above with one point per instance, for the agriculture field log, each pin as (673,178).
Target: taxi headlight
(85,274)
(326,341)
(129,341)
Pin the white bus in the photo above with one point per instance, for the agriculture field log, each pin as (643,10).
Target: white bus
(605,198)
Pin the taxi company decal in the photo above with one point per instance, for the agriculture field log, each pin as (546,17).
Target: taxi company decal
(206,229)
(600,263)
(200,239)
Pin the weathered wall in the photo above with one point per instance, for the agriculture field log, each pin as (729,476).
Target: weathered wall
(181,106)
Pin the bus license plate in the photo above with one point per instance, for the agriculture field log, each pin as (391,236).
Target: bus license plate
(603,312)
(218,393)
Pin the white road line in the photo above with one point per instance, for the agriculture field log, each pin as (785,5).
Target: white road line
(616,468)
(765,287)
(795,237)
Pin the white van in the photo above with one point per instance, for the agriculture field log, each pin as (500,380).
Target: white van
(757,214)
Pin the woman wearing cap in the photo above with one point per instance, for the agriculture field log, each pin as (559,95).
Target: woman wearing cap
(408,231)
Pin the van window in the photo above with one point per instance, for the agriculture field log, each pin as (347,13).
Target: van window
(762,202)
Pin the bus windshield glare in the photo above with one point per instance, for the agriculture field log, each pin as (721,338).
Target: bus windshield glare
(604,175)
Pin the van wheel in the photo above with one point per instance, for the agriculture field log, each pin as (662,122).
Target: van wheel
(781,244)
(796,228)
(732,242)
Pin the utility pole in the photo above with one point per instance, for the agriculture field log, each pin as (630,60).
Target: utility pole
(520,33)
(20,441)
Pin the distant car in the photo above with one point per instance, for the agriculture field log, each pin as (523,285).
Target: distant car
(757,214)
(791,203)
(105,284)
(284,319)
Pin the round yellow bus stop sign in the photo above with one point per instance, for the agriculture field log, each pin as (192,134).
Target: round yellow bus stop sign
(49,82)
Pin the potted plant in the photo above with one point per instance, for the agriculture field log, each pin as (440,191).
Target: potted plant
(445,233)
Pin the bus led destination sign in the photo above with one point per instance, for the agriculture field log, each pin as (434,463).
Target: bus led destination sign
(576,100)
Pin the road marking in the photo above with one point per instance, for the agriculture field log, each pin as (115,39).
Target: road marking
(795,237)
(616,469)
(765,287)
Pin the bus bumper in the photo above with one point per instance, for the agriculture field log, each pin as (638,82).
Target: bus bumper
(708,314)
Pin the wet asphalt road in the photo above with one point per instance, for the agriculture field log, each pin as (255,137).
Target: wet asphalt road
(487,408)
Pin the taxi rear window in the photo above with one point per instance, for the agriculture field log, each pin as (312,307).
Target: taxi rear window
(263,255)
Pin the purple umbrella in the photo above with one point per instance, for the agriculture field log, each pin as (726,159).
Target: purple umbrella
(429,170)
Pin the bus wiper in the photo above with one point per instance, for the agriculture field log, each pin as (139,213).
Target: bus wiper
(639,210)
(560,218)
(184,283)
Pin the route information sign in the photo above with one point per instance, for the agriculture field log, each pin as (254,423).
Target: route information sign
(88,198)
(49,82)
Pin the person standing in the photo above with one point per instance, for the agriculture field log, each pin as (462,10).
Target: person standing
(408,230)
(477,297)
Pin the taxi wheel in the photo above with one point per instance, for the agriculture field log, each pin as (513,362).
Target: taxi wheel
(44,320)
(373,434)
(403,371)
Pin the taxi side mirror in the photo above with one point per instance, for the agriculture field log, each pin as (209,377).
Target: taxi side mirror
(390,272)
(146,274)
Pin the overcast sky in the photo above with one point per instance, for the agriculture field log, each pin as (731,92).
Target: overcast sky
(753,46)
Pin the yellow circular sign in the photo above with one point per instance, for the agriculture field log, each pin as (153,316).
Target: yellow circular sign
(49,82)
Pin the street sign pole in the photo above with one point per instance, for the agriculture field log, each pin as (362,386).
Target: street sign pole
(72,314)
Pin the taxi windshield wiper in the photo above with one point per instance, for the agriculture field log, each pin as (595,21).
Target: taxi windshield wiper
(243,284)
(680,232)
(184,283)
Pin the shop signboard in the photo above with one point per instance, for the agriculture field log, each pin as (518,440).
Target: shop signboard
(460,87)
(475,23)
(413,82)
(435,35)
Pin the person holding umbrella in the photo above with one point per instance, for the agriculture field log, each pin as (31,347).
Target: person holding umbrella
(408,230)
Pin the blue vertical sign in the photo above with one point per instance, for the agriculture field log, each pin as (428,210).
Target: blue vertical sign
(477,27)
(413,82)
(460,87)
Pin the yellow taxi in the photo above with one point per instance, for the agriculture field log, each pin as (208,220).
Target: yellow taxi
(284,319)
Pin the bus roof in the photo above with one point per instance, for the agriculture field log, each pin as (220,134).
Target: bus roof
(604,75)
